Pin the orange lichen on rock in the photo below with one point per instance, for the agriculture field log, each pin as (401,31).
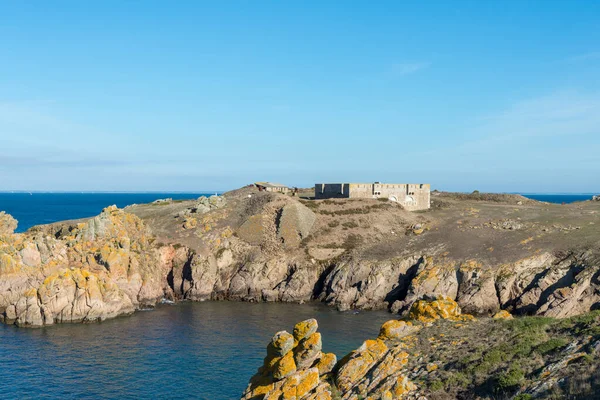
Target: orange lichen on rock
(296,386)
(293,367)
(284,367)
(502,314)
(396,329)
(305,328)
(442,307)
(326,363)
(356,364)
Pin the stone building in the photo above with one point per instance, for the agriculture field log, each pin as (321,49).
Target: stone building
(411,196)
(271,187)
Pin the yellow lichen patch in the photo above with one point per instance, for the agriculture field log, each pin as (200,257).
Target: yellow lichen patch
(525,241)
(431,367)
(353,367)
(190,223)
(470,265)
(305,328)
(30,292)
(296,386)
(259,387)
(442,307)
(326,363)
(280,344)
(402,386)
(502,314)
(284,367)
(395,329)
(226,233)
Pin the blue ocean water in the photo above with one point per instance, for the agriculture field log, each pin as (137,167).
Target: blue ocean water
(44,208)
(203,350)
(559,198)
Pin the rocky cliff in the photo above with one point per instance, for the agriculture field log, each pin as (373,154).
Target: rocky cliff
(486,252)
(93,270)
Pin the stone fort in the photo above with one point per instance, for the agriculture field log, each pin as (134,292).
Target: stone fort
(411,196)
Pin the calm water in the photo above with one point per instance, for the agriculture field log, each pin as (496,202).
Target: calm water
(559,198)
(191,350)
(44,208)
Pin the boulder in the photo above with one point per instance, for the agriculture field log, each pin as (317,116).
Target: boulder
(305,329)
(281,344)
(308,350)
(7,223)
(395,329)
(502,314)
(293,367)
(442,307)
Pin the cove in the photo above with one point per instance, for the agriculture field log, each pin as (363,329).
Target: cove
(205,350)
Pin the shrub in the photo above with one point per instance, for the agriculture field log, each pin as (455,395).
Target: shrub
(458,379)
(350,224)
(524,324)
(333,224)
(507,381)
(310,204)
(436,386)
(551,345)
(523,396)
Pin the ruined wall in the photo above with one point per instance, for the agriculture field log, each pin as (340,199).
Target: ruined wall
(361,190)
(411,196)
(332,190)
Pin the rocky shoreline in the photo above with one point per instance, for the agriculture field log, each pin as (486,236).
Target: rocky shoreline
(437,352)
(251,246)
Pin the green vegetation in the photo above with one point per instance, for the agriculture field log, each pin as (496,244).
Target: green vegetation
(551,345)
(511,379)
(350,224)
(356,211)
(333,224)
(310,204)
(499,358)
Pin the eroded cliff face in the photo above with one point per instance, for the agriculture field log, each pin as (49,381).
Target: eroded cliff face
(258,246)
(90,271)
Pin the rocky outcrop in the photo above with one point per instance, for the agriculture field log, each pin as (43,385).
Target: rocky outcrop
(368,285)
(202,206)
(90,271)
(7,223)
(259,246)
(295,368)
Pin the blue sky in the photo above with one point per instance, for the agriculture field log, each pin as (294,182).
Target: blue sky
(194,96)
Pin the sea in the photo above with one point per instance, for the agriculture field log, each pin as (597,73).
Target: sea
(559,198)
(206,350)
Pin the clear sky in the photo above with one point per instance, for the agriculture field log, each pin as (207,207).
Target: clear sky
(199,95)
